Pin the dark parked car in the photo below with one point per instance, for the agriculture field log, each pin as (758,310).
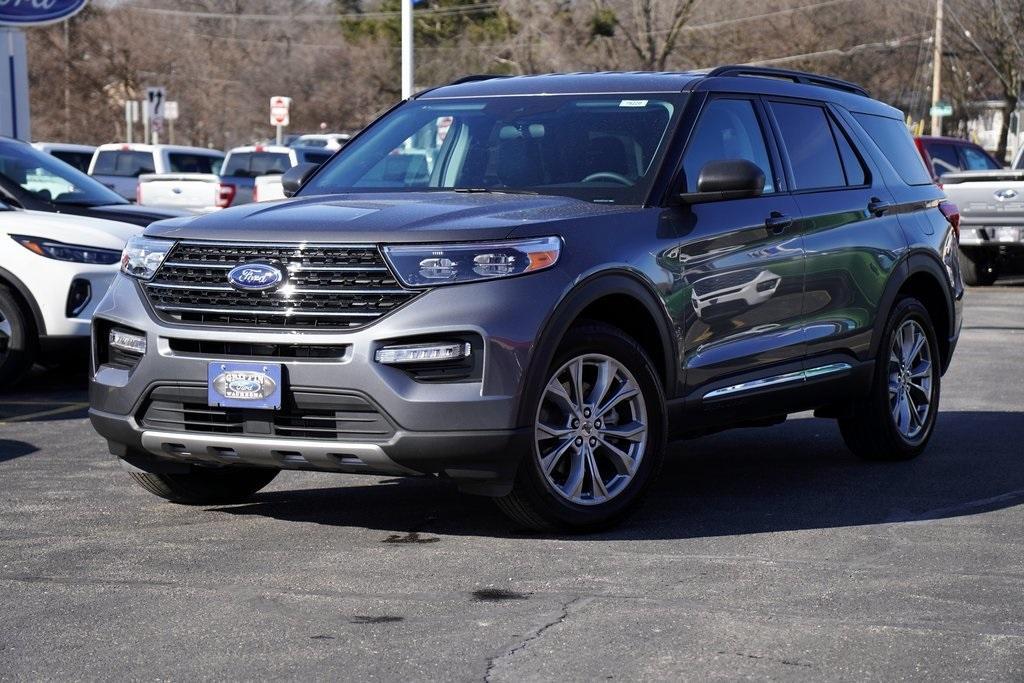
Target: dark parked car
(583,267)
(952,155)
(37,181)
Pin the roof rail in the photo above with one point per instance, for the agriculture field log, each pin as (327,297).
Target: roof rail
(787,74)
(472,78)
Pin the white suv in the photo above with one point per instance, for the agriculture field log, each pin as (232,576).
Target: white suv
(54,269)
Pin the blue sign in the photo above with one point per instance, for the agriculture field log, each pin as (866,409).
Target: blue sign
(256,277)
(37,12)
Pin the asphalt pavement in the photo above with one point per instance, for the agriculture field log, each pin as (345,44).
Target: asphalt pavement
(761,554)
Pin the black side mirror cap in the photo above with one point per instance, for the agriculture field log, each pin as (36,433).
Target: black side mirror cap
(296,176)
(727,179)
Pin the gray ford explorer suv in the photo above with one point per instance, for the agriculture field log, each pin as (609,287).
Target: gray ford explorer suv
(529,285)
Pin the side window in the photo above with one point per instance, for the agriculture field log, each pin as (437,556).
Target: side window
(124,164)
(944,158)
(727,129)
(893,139)
(807,137)
(853,166)
(977,160)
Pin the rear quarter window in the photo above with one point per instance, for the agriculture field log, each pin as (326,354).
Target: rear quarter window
(893,139)
(809,143)
(193,163)
(124,163)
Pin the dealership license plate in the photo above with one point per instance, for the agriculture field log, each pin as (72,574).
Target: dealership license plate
(1007,234)
(244,385)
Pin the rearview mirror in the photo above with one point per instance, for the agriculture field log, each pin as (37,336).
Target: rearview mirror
(727,179)
(296,176)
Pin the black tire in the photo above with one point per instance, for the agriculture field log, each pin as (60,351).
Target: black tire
(18,347)
(977,272)
(870,432)
(533,502)
(206,487)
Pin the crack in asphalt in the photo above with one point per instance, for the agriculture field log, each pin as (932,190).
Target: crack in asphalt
(537,633)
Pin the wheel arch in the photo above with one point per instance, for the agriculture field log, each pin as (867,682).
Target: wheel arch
(25,300)
(922,276)
(619,298)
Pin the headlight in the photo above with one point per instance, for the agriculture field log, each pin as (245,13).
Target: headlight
(429,265)
(143,255)
(67,252)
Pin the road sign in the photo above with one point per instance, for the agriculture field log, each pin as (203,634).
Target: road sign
(941,109)
(37,12)
(156,101)
(279,111)
(171,110)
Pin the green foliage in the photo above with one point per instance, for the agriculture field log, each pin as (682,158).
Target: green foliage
(432,28)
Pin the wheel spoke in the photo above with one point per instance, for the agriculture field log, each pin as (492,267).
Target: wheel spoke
(894,387)
(632,431)
(557,393)
(603,382)
(923,394)
(906,343)
(573,485)
(919,341)
(553,432)
(915,416)
(904,421)
(627,391)
(622,460)
(576,372)
(922,369)
(549,461)
(597,487)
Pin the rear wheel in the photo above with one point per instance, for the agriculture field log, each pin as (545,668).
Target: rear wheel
(599,435)
(977,271)
(18,340)
(896,420)
(206,487)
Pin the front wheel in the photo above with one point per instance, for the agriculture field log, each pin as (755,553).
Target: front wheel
(599,435)
(896,420)
(18,341)
(206,487)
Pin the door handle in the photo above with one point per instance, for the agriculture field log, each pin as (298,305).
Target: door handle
(878,207)
(777,223)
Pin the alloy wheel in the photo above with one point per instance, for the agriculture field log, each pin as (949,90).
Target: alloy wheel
(591,429)
(6,331)
(911,373)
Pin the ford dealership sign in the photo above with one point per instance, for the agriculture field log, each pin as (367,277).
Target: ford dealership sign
(37,12)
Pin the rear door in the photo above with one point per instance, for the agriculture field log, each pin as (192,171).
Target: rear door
(742,259)
(119,169)
(851,234)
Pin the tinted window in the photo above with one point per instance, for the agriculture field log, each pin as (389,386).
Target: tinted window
(79,160)
(123,163)
(193,163)
(49,178)
(977,160)
(812,151)
(944,158)
(727,129)
(853,165)
(600,148)
(252,164)
(314,157)
(893,139)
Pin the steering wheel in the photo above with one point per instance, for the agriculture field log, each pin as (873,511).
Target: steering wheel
(608,175)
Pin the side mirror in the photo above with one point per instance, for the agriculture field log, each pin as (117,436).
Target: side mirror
(296,176)
(727,179)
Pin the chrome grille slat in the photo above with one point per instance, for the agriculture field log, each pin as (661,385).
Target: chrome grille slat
(327,286)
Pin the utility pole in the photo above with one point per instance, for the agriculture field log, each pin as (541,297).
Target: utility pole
(937,68)
(407,54)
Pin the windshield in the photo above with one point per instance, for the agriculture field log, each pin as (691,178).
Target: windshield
(600,148)
(50,179)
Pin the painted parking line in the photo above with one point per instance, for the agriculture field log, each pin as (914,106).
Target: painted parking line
(68,408)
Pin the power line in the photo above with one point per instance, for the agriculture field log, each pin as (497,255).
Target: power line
(351,16)
(843,51)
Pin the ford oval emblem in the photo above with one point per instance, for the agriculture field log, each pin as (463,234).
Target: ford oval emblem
(244,385)
(255,277)
(1005,194)
(37,12)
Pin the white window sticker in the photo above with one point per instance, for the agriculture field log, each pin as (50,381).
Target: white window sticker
(633,103)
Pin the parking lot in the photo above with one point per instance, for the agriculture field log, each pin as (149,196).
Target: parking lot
(762,553)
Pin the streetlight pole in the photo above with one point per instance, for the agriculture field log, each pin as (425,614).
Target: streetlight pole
(937,68)
(408,68)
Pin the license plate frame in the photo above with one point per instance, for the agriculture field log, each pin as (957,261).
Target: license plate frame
(244,384)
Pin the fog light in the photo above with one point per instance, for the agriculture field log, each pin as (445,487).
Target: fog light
(423,353)
(127,342)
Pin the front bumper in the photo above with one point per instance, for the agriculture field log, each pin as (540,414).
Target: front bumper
(465,430)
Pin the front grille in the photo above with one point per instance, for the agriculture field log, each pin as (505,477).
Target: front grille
(219,348)
(327,287)
(304,415)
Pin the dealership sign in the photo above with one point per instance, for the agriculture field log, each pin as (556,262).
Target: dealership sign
(37,12)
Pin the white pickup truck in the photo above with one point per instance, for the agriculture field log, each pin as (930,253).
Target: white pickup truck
(119,166)
(991,207)
(236,184)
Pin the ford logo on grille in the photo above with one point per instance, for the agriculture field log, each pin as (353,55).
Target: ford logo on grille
(256,277)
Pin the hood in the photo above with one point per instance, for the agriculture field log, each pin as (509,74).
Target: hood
(392,217)
(90,232)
